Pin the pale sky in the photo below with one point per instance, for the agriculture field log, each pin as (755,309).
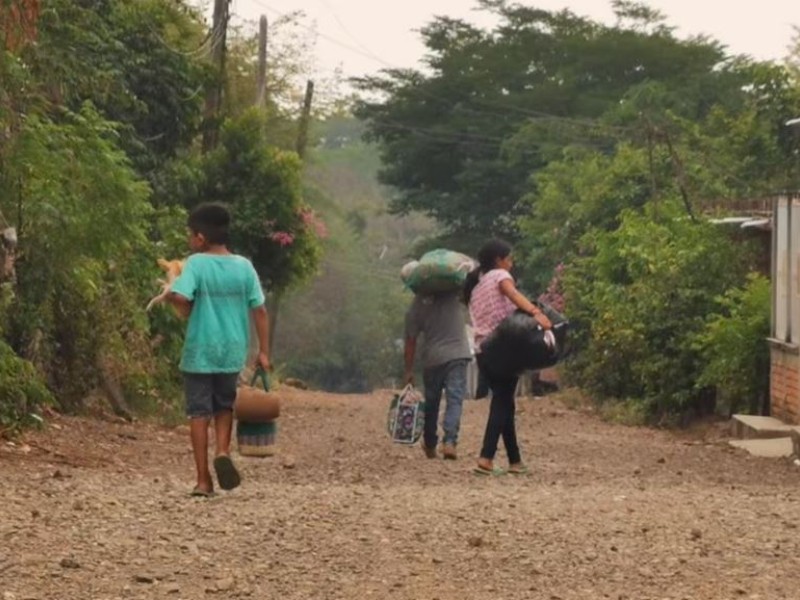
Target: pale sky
(366,35)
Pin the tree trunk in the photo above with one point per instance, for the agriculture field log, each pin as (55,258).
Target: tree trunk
(113,391)
(213,105)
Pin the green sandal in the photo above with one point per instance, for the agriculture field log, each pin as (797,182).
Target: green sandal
(198,493)
(493,472)
(518,470)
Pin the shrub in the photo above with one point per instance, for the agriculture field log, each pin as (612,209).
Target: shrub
(734,349)
(638,299)
(22,392)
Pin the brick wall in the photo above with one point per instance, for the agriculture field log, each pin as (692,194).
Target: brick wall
(785,385)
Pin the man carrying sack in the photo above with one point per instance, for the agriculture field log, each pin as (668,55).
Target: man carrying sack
(440,319)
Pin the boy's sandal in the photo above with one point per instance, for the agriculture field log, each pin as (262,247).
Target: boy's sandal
(198,493)
(227,475)
(484,472)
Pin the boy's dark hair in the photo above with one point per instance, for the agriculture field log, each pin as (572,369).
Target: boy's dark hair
(213,221)
(488,256)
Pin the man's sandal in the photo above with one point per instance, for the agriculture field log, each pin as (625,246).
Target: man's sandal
(484,472)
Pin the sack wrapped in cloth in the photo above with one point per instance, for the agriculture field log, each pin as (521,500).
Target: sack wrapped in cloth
(437,272)
(520,344)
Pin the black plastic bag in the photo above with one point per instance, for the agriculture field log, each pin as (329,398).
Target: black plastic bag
(518,344)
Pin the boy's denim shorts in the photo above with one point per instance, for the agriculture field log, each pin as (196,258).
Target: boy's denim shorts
(209,394)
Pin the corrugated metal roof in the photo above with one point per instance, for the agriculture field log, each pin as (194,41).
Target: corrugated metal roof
(748,222)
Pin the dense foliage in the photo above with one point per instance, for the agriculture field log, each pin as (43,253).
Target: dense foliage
(602,150)
(599,149)
(100,114)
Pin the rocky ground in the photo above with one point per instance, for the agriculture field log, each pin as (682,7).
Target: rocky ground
(97,510)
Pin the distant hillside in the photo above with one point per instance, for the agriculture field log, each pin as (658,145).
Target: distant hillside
(341,333)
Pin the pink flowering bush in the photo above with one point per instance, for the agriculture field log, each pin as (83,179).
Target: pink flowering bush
(282,238)
(309,224)
(314,223)
(263,186)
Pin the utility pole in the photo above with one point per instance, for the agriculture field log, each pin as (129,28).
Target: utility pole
(680,173)
(793,182)
(219,34)
(261,85)
(305,119)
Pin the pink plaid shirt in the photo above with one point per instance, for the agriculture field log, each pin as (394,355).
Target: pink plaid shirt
(489,306)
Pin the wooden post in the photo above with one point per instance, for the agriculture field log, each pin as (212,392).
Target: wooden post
(219,33)
(305,119)
(261,85)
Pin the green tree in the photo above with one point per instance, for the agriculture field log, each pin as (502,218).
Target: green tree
(793,59)
(82,215)
(104,98)
(290,64)
(736,360)
(141,62)
(447,137)
(645,150)
(263,186)
(640,297)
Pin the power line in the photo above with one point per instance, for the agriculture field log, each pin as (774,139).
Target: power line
(445,136)
(474,139)
(324,36)
(505,108)
(385,275)
(493,142)
(346,31)
(210,39)
(492,108)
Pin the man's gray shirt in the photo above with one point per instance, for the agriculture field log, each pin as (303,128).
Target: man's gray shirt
(441,321)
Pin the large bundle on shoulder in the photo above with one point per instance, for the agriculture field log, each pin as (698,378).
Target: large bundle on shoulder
(519,343)
(437,272)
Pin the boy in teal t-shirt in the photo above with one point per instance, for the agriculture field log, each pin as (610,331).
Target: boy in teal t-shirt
(218,292)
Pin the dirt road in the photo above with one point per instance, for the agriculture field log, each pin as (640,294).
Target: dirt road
(98,511)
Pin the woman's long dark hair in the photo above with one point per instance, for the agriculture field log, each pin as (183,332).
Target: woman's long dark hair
(488,255)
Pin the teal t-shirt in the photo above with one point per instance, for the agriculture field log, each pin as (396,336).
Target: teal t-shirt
(223,289)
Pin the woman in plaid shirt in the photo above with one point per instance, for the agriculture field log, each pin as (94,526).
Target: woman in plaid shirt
(492,296)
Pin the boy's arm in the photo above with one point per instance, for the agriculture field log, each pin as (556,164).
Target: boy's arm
(261,319)
(182,305)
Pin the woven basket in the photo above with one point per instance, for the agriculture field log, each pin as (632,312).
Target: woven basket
(256,436)
(255,405)
(256,439)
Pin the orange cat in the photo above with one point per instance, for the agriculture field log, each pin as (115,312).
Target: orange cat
(172,269)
